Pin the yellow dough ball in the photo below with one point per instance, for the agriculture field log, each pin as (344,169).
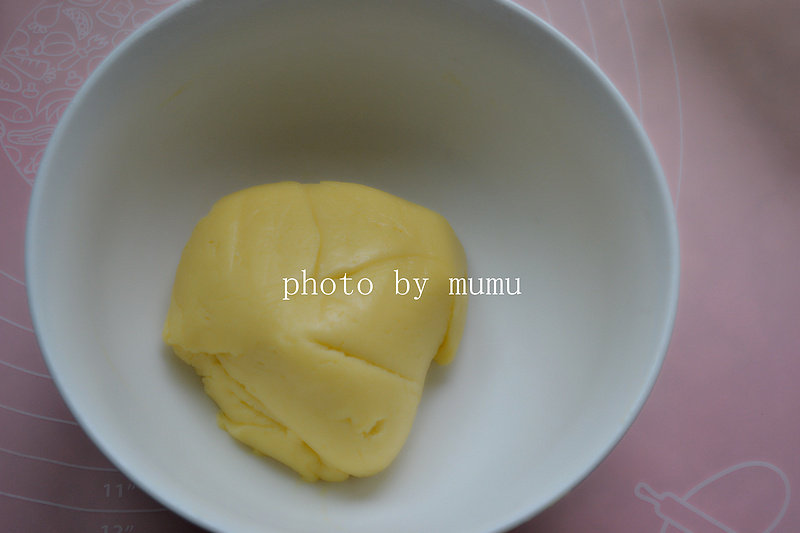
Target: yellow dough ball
(327,383)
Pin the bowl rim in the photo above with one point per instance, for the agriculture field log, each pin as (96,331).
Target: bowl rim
(672,244)
(526,510)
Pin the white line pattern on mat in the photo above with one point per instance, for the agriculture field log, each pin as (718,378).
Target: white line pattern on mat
(41,417)
(633,54)
(680,105)
(591,31)
(60,463)
(31,372)
(74,508)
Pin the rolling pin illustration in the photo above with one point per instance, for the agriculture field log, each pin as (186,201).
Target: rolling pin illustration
(767,484)
(680,513)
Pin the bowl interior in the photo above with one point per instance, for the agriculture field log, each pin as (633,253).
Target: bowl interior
(473,109)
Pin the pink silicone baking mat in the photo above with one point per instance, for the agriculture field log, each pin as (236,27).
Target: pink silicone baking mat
(717,445)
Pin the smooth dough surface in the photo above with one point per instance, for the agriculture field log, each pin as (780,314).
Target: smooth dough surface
(328,385)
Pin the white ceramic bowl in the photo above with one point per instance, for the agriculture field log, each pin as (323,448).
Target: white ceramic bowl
(475,109)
